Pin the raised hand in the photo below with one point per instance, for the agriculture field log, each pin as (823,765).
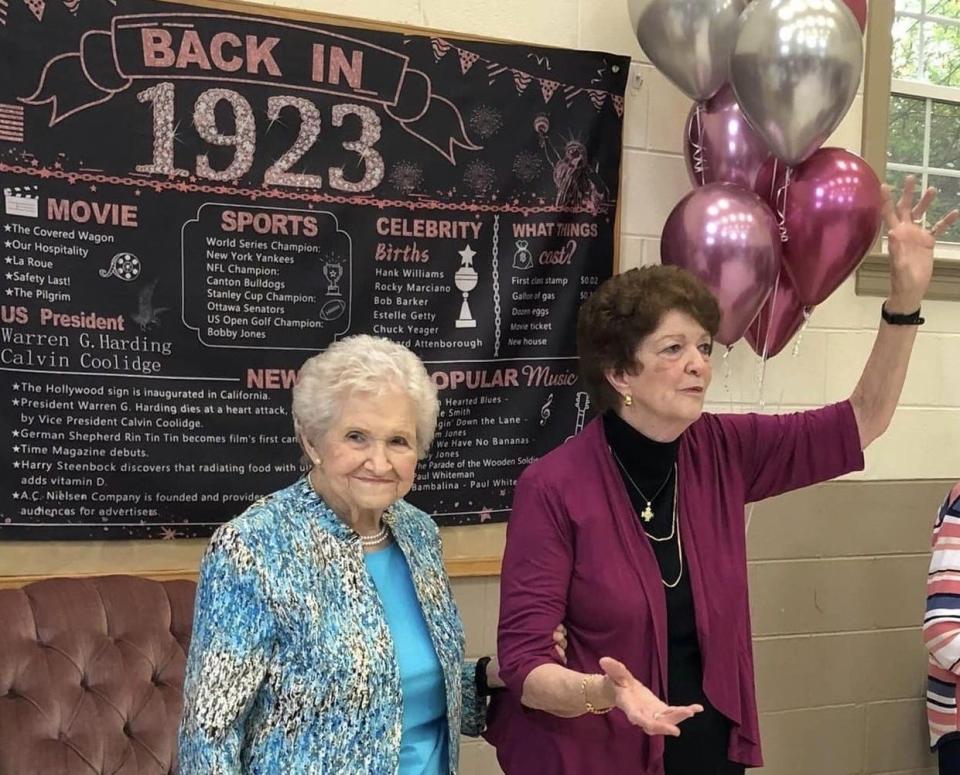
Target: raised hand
(911,245)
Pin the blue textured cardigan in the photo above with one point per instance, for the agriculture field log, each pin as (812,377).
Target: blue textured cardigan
(292,666)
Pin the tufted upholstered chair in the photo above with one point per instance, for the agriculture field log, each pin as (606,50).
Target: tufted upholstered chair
(91,675)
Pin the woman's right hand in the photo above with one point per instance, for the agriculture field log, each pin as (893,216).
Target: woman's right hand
(641,706)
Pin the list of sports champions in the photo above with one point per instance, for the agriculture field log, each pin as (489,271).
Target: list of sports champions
(195,201)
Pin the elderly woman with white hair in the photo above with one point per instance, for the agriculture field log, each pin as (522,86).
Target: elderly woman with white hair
(326,638)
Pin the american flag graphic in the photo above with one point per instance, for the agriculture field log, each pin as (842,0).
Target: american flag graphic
(11,121)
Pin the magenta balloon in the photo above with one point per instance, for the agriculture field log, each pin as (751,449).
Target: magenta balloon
(779,319)
(832,214)
(727,237)
(731,151)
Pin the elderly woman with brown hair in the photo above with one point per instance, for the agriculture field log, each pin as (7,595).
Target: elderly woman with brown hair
(326,638)
(632,533)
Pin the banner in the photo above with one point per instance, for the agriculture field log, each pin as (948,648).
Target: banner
(196,201)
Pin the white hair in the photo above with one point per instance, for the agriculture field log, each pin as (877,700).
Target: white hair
(364,364)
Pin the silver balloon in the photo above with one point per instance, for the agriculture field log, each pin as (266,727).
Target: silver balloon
(688,40)
(795,70)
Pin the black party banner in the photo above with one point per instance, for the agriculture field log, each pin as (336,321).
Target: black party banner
(197,199)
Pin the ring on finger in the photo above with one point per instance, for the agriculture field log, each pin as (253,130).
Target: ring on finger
(657,715)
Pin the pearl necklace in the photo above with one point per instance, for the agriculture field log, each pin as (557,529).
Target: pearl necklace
(376,538)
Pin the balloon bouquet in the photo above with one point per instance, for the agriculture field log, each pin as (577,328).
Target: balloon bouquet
(775,223)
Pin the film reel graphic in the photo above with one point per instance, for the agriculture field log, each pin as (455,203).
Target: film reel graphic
(124,266)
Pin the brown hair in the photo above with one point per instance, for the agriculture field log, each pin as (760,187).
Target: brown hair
(627,308)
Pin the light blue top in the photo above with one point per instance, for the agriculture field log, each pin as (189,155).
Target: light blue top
(423,743)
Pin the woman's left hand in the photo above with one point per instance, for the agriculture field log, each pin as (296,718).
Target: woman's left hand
(911,245)
(560,642)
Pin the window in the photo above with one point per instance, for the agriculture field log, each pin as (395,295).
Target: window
(924,124)
(911,121)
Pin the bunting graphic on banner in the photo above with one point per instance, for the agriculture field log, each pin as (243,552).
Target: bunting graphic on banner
(522,79)
(547,88)
(569,93)
(37,7)
(467,59)
(440,48)
(617,104)
(493,70)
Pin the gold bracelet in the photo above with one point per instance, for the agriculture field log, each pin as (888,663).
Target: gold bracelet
(587,703)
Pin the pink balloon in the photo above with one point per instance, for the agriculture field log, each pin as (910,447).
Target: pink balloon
(831,215)
(726,236)
(730,150)
(779,319)
(859,9)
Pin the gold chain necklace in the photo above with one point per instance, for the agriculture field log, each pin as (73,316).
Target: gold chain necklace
(676,526)
(647,514)
(675,522)
(674,530)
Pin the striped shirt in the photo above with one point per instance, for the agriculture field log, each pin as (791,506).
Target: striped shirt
(941,625)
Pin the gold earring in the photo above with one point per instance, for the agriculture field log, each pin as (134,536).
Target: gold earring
(628,400)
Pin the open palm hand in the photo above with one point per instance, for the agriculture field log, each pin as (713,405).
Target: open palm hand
(641,706)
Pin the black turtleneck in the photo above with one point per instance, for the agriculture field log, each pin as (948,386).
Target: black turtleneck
(651,465)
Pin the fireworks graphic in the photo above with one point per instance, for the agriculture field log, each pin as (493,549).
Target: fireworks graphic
(480,176)
(527,166)
(406,176)
(485,121)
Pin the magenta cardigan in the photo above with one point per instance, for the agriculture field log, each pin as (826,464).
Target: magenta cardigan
(576,554)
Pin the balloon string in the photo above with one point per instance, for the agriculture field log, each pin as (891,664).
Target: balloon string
(695,137)
(807,311)
(727,371)
(770,306)
(781,202)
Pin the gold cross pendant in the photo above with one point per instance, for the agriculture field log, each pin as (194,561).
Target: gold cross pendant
(647,513)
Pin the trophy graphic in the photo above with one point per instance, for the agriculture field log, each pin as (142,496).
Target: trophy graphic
(333,272)
(466,280)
